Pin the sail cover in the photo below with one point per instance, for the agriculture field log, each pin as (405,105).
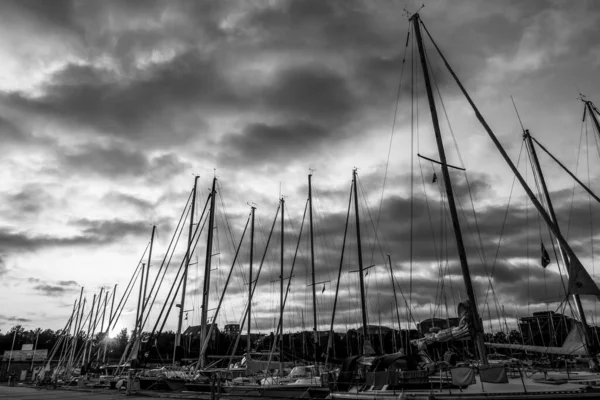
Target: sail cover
(445,335)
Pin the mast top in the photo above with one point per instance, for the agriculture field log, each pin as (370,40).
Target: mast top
(413,15)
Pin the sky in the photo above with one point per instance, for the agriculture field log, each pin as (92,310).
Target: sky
(109,109)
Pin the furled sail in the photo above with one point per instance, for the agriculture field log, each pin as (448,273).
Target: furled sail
(446,335)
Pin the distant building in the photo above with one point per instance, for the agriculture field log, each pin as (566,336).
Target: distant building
(545,328)
(194,331)
(231,330)
(21,362)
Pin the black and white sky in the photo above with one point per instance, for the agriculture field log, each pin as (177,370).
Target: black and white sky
(107,109)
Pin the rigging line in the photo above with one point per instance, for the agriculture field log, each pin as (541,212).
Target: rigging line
(481,252)
(189,253)
(499,147)
(387,164)
(517,112)
(245,313)
(431,224)
(370,215)
(527,201)
(184,215)
(596,140)
(126,294)
(576,169)
(412,162)
(337,286)
(591,214)
(231,237)
(439,257)
(544,202)
(503,225)
(479,247)
(220,302)
(196,237)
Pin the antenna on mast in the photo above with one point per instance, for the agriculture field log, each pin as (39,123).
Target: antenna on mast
(409,15)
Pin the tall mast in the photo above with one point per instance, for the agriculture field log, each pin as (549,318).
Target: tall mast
(281,293)
(147,275)
(331,340)
(96,316)
(75,330)
(396,302)
(360,265)
(89,331)
(138,317)
(249,341)
(592,111)
(579,280)
(101,331)
(563,254)
(110,320)
(207,264)
(477,329)
(312,266)
(185,271)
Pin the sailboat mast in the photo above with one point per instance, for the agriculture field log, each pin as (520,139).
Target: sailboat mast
(477,329)
(586,328)
(281,292)
(207,264)
(187,265)
(89,332)
(312,266)
(75,330)
(360,262)
(147,274)
(396,302)
(110,320)
(592,111)
(140,299)
(249,341)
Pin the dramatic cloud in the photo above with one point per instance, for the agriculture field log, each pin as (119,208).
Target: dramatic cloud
(108,109)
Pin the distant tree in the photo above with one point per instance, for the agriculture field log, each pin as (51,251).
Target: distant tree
(514,336)
(500,337)
(121,341)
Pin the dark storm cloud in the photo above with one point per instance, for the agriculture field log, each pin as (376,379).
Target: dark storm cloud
(93,232)
(13,319)
(110,231)
(50,290)
(21,241)
(53,289)
(31,199)
(58,15)
(114,161)
(311,91)
(259,142)
(298,24)
(11,132)
(150,105)
(68,283)
(138,203)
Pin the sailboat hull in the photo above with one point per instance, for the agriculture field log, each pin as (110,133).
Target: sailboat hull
(514,389)
(278,391)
